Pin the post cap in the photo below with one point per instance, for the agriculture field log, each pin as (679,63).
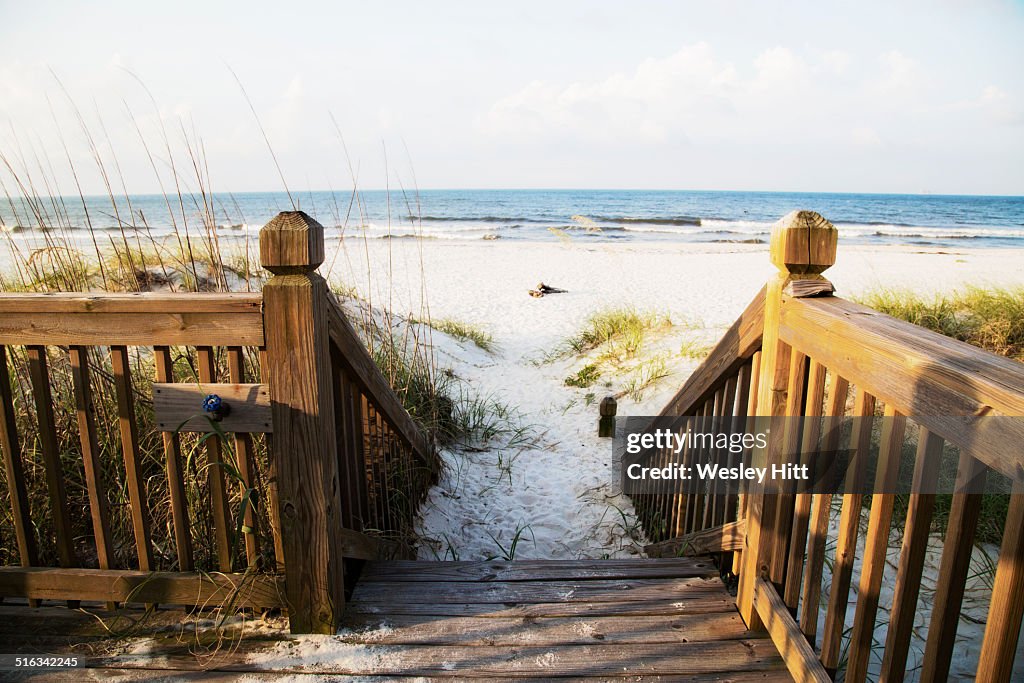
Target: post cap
(291,242)
(608,406)
(803,243)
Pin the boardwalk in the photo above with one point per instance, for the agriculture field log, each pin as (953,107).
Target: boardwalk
(596,620)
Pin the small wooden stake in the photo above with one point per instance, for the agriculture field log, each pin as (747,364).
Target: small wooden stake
(606,425)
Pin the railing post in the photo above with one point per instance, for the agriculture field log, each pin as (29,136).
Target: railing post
(803,245)
(606,424)
(304,450)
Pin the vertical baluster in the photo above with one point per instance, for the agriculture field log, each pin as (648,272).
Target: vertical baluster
(246,464)
(683,487)
(849,523)
(912,556)
(355,452)
(876,542)
(745,457)
(175,472)
(28,551)
(821,507)
(273,514)
(956,562)
(50,449)
(206,364)
(341,426)
(1002,628)
(85,410)
(726,423)
(130,448)
(784,502)
(802,504)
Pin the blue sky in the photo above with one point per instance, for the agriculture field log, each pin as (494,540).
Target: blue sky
(801,96)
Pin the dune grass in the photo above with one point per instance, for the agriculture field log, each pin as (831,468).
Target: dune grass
(464,331)
(990,318)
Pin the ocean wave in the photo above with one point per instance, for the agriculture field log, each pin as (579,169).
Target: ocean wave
(652,220)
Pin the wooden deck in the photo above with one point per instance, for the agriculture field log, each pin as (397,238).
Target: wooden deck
(666,619)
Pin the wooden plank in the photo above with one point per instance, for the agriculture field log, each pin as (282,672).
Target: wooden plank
(846,543)
(221,303)
(800,658)
(453,592)
(876,543)
(1002,628)
(796,386)
(735,347)
(297,311)
(85,409)
(28,551)
(223,527)
(949,590)
(48,445)
(725,538)
(274,511)
(134,478)
(178,407)
(488,662)
(556,631)
(803,501)
(821,507)
(364,371)
(359,546)
(916,532)
(693,604)
(246,465)
(175,471)
(947,386)
(121,585)
(135,329)
(537,570)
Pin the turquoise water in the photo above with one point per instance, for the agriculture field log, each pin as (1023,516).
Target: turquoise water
(591,215)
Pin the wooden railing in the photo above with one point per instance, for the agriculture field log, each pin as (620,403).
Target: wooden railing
(799,351)
(317,462)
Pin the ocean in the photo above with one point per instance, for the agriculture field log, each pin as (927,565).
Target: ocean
(544,215)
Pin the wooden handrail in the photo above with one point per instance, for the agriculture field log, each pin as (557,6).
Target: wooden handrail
(136,319)
(369,378)
(944,384)
(735,347)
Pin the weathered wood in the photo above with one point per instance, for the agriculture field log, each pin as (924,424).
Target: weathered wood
(223,528)
(1002,628)
(178,407)
(876,543)
(849,525)
(706,603)
(48,445)
(799,656)
(175,472)
(725,538)
(947,386)
(747,455)
(494,661)
(956,563)
(244,456)
(134,478)
(28,551)
(735,347)
(820,508)
(550,632)
(912,556)
(454,592)
(75,319)
(297,314)
(360,546)
(85,409)
(120,585)
(537,570)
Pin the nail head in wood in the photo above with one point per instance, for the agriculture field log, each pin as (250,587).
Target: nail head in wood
(292,242)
